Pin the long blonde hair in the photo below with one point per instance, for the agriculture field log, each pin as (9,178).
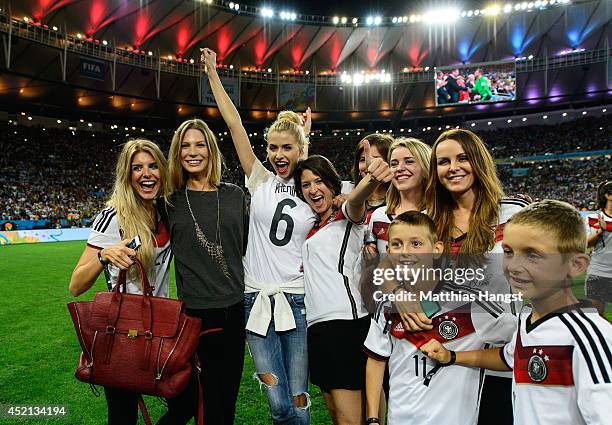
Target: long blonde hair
(422,154)
(487,190)
(290,122)
(214,168)
(132,214)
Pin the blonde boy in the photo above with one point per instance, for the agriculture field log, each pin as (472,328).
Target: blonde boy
(561,350)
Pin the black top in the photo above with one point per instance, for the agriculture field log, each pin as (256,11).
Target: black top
(199,279)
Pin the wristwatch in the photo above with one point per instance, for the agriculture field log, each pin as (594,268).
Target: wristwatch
(452,360)
(101,260)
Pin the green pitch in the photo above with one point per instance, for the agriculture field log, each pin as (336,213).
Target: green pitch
(39,350)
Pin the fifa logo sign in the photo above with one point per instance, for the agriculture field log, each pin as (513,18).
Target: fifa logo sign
(92,69)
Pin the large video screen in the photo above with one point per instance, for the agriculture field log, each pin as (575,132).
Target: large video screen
(475,84)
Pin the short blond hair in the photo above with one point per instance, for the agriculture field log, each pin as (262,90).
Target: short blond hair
(214,169)
(560,220)
(291,123)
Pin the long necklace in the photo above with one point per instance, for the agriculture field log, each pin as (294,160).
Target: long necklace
(214,249)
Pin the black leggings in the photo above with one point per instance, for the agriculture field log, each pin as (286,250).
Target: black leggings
(122,406)
(221,353)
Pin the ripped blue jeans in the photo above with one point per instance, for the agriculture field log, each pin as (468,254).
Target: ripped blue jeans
(283,355)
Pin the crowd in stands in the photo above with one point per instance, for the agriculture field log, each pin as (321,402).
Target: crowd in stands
(573,181)
(474,85)
(55,174)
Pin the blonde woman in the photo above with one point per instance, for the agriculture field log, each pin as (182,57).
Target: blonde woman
(466,202)
(408,160)
(207,224)
(274,282)
(141,181)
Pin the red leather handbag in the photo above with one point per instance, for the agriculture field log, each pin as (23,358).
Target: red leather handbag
(140,343)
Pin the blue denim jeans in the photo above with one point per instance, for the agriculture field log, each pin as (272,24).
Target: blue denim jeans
(285,356)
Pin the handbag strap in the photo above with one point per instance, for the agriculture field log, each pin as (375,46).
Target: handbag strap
(143,409)
(199,419)
(115,306)
(121,279)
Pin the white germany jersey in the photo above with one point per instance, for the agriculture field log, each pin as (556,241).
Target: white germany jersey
(507,208)
(421,391)
(601,259)
(379,226)
(106,232)
(331,276)
(562,368)
(279,222)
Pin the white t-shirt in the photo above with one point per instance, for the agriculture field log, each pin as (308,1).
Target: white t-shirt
(422,392)
(379,227)
(601,258)
(562,368)
(106,232)
(279,222)
(507,208)
(331,276)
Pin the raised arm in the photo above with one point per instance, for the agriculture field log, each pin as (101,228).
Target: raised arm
(307,124)
(378,172)
(229,113)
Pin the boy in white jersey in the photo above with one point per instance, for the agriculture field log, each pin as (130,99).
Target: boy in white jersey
(561,351)
(418,385)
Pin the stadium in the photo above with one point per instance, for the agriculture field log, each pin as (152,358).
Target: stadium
(79,78)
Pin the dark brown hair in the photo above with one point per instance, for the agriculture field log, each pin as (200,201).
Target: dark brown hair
(323,168)
(604,188)
(487,189)
(382,143)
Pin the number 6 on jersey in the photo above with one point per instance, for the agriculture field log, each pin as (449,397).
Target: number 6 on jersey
(278,217)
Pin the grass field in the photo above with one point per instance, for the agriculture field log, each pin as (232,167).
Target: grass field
(39,349)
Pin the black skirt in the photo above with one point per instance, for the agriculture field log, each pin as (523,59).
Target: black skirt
(335,354)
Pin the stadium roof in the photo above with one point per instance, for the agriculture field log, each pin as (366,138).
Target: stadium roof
(310,43)
(412,35)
